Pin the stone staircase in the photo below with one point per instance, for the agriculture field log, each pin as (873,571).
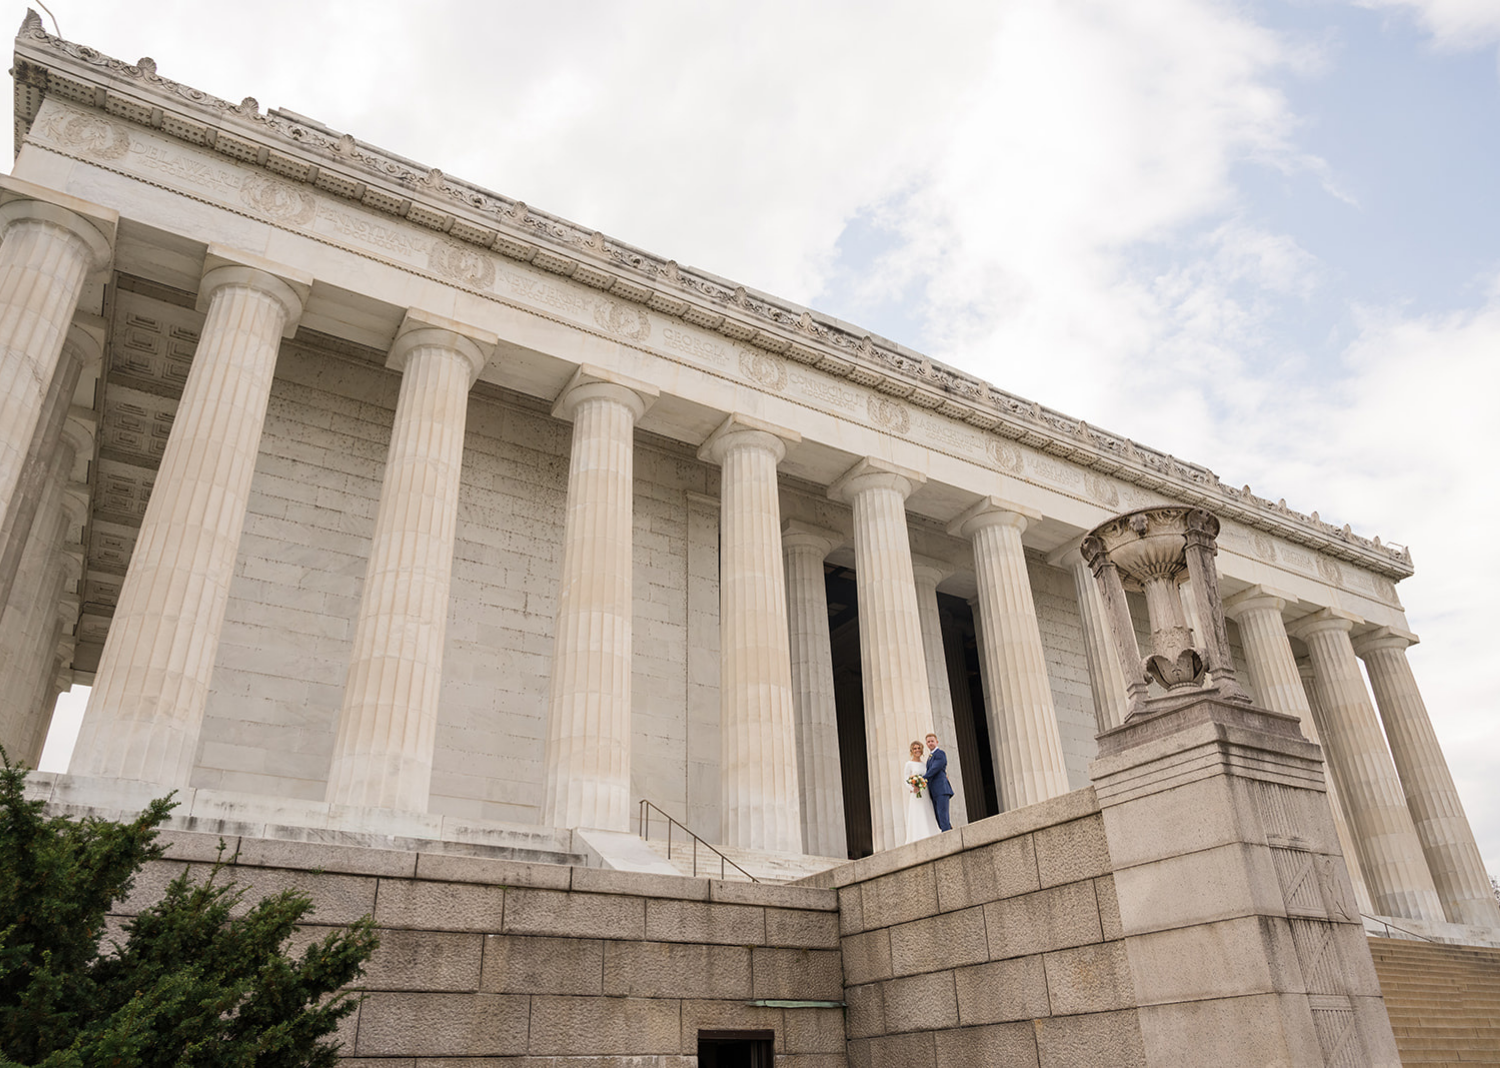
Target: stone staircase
(767,867)
(1443,1000)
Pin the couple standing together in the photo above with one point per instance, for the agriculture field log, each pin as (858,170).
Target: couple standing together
(927,791)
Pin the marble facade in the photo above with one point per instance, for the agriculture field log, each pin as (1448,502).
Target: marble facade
(347,482)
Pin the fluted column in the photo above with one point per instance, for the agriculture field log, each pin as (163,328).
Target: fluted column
(1106,679)
(760,803)
(927,574)
(80,347)
(1346,835)
(820,782)
(29,624)
(1278,685)
(1442,827)
(1024,736)
(382,755)
(151,688)
(46,255)
(898,705)
(986,669)
(1390,854)
(588,732)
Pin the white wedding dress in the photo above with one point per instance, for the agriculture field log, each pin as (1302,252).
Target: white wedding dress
(921,820)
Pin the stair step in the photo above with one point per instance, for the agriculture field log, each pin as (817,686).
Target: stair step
(1443,1001)
(767,867)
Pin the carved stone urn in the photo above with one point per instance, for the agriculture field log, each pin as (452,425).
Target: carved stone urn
(1152,551)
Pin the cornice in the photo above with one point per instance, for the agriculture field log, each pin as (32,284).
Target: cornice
(303,150)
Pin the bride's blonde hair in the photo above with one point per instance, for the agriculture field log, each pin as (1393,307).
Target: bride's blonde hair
(914,745)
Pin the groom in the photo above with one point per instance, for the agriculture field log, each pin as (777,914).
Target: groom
(938,787)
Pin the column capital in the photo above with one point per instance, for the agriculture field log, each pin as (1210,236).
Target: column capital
(80,436)
(796,534)
(875,473)
(589,382)
(85,338)
(75,503)
(1384,638)
(423,328)
(1263,598)
(993,512)
(740,431)
(94,225)
(1324,619)
(225,266)
(928,571)
(1069,554)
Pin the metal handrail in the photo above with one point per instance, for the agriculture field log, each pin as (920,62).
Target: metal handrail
(1389,927)
(645,831)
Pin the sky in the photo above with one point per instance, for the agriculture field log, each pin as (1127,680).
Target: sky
(1263,236)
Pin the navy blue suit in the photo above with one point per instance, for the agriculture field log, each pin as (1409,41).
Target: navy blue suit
(938,787)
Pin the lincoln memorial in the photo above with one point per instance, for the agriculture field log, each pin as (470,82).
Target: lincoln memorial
(383,511)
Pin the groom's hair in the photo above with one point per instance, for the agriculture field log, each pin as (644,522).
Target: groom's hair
(929,734)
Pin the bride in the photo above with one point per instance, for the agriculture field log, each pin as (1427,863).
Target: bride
(921,820)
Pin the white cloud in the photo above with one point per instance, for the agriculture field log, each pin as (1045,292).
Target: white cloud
(1456,24)
(1098,134)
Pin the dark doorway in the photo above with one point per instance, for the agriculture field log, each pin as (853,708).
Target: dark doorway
(849,704)
(736,1049)
(970,718)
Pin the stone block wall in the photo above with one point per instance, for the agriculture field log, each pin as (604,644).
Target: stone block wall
(550,966)
(999,943)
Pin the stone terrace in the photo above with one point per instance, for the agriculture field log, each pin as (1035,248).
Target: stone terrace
(549,965)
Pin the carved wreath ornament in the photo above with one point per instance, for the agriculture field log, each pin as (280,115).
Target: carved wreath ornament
(281,201)
(462,264)
(622,319)
(1006,456)
(97,137)
(763,370)
(894,417)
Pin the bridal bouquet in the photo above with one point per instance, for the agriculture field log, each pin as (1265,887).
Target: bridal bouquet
(917,783)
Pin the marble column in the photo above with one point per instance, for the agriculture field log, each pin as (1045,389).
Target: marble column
(1443,828)
(1106,678)
(150,691)
(1278,685)
(928,573)
(46,255)
(898,704)
(81,346)
(387,732)
(820,782)
(29,624)
(1024,736)
(1390,855)
(588,731)
(760,801)
(1346,836)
